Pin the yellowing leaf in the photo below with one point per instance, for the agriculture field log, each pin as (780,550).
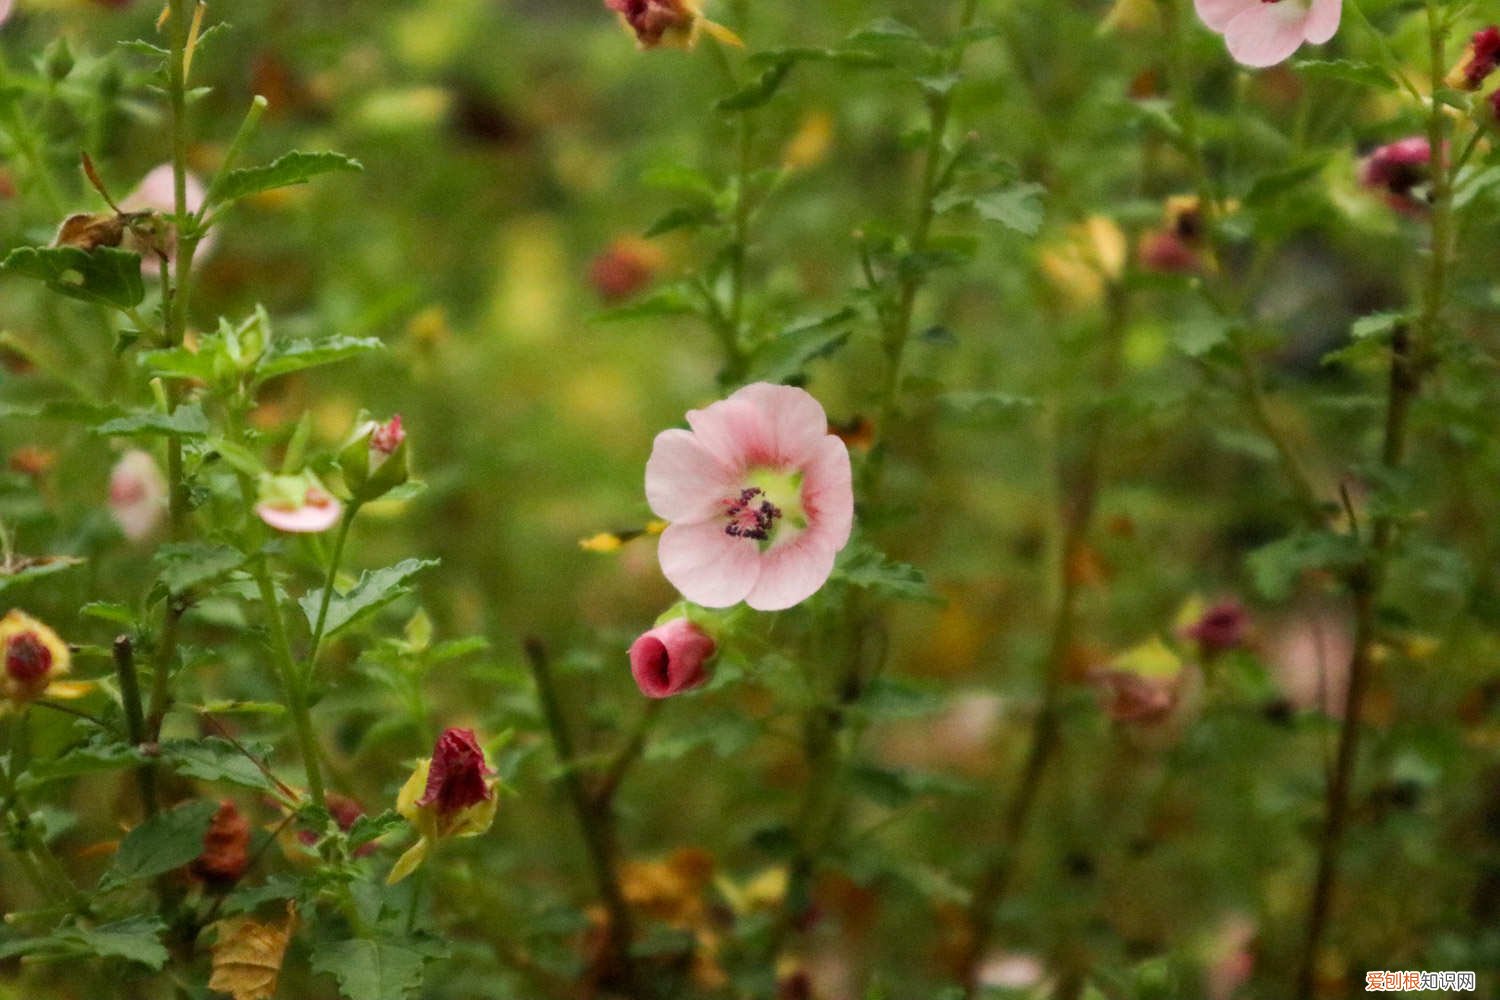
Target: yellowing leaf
(248,954)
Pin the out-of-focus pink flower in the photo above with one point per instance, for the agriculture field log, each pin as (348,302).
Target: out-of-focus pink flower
(5,6)
(137,494)
(670,658)
(1309,655)
(760,499)
(671,23)
(1164,252)
(1221,628)
(1231,959)
(297,504)
(1265,32)
(1144,685)
(1010,971)
(625,268)
(1481,58)
(1398,170)
(157,193)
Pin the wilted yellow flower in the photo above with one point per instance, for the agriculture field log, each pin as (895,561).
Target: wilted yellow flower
(1090,255)
(35,659)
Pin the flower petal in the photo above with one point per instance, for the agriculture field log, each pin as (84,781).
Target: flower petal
(1267,33)
(791,573)
(735,431)
(1217,14)
(709,567)
(1323,22)
(828,493)
(684,480)
(797,421)
(305,520)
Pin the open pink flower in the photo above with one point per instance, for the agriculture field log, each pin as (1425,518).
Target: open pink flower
(4,10)
(297,504)
(670,658)
(1265,32)
(137,494)
(759,496)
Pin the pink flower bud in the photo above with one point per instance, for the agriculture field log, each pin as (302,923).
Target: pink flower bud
(670,658)
(457,776)
(387,437)
(656,22)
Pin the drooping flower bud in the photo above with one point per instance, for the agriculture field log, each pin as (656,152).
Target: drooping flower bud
(298,504)
(671,658)
(373,460)
(450,795)
(671,23)
(226,848)
(34,656)
(1481,58)
(137,494)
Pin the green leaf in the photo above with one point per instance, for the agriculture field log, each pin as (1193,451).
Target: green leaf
(886,29)
(90,758)
(215,760)
(293,356)
(666,302)
(374,590)
(1268,187)
(799,343)
(108,611)
(1276,567)
(185,565)
(891,698)
(683,217)
(760,90)
(976,404)
(370,828)
(1379,325)
(1347,70)
(1017,207)
(24,569)
(137,939)
(292,168)
(105,275)
(864,566)
(164,842)
(179,362)
(185,421)
(371,969)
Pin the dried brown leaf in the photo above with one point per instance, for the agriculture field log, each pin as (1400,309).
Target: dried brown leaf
(248,954)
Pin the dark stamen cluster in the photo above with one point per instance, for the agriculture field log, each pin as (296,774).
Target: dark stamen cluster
(747,519)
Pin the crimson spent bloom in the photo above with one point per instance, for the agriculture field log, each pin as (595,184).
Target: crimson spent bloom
(1222,627)
(1399,169)
(1481,58)
(759,495)
(1265,32)
(450,795)
(670,658)
(34,657)
(673,23)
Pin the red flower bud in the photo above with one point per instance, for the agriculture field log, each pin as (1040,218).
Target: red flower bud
(226,848)
(456,778)
(1222,627)
(1481,58)
(387,437)
(670,658)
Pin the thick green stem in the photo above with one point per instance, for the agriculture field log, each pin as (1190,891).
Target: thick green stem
(135,719)
(1407,365)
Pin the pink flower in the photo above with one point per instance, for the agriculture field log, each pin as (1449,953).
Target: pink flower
(1222,627)
(760,499)
(457,777)
(669,659)
(1399,169)
(386,438)
(297,504)
(1265,32)
(4,10)
(157,193)
(137,494)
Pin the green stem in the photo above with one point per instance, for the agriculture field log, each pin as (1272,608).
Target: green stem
(598,833)
(291,679)
(135,719)
(333,570)
(1407,365)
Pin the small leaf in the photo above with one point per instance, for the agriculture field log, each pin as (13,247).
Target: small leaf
(886,29)
(293,356)
(178,362)
(165,841)
(24,569)
(137,939)
(1379,325)
(864,566)
(185,565)
(292,168)
(105,274)
(215,760)
(1017,207)
(759,91)
(371,969)
(1347,70)
(374,590)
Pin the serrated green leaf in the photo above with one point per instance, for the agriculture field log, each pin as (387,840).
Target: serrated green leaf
(863,566)
(137,939)
(215,760)
(368,969)
(1348,70)
(374,590)
(292,168)
(162,843)
(187,420)
(1017,207)
(90,758)
(286,357)
(105,275)
(184,565)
